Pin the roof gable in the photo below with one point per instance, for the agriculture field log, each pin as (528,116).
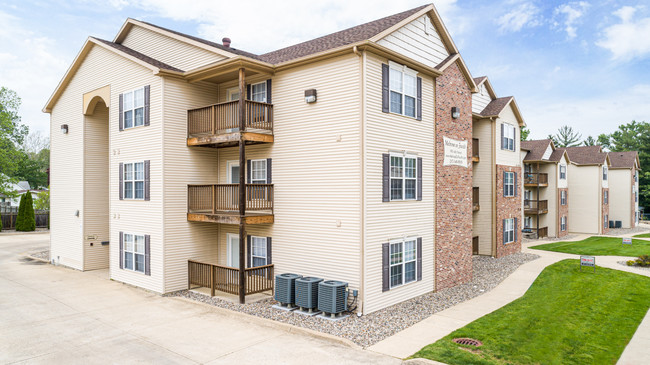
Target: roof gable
(624,160)
(536,149)
(587,155)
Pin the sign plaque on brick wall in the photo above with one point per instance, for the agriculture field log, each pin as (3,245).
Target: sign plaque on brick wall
(455,152)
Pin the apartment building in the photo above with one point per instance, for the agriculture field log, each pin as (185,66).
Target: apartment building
(177,160)
(589,193)
(497,172)
(624,189)
(546,192)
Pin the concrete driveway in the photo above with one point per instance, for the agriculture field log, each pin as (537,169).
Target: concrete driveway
(56,315)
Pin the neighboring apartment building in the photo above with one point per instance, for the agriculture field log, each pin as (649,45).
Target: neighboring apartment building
(624,189)
(345,157)
(589,196)
(546,192)
(497,170)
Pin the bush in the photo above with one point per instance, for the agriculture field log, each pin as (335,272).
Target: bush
(643,261)
(26,221)
(0,223)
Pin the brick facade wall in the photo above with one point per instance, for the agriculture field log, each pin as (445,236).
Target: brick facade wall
(605,211)
(632,202)
(453,253)
(508,207)
(562,211)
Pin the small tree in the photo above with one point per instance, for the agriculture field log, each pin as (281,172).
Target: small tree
(26,221)
(524,133)
(589,141)
(566,137)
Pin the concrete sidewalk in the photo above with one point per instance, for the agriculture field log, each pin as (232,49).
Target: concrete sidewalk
(439,325)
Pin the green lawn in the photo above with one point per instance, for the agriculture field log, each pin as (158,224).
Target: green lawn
(599,246)
(566,317)
(643,235)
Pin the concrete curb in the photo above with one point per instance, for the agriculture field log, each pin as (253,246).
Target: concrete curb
(421,361)
(16,233)
(275,324)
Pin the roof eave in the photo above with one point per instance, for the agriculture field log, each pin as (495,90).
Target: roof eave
(216,68)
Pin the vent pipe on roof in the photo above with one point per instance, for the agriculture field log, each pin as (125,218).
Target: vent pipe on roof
(226,42)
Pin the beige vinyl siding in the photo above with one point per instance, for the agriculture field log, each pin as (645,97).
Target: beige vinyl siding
(585,199)
(386,132)
(484,179)
(96,189)
(480,99)
(621,196)
(168,50)
(507,157)
(183,165)
(412,41)
(547,153)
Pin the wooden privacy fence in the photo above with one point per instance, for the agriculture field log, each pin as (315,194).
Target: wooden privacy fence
(226,279)
(225,197)
(219,118)
(8,215)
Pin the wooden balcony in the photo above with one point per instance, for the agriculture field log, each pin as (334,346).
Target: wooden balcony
(476,206)
(219,125)
(475,154)
(532,232)
(534,179)
(219,203)
(535,206)
(226,279)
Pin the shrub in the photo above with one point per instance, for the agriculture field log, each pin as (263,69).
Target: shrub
(26,221)
(21,214)
(643,261)
(0,223)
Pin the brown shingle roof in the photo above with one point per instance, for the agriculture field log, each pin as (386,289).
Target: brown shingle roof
(479,80)
(535,149)
(557,154)
(496,106)
(586,155)
(139,55)
(338,39)
(623,159)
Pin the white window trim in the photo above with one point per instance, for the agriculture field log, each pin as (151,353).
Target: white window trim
(404,262)
(403,156)
(124,181)
(230,92)
(563,223)
(562,177)
(563,199)
(605,173)
(606,197)
(506,184)
(405,71)
(528,222)
(265,91)
(506,127)
(265,248)
(511,222)
(229,242)
(265,171)
(229,166)
(133,109)
(144,252)
(606,222)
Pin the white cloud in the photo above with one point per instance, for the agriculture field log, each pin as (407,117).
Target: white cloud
(629,38)
(523,14)
(573,12)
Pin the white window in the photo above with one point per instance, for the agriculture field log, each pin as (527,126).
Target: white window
(528,195)
(604,172)
(134,180)
(528,222)
(508,137)
(232,93)
(403,177)
(563,224)
(605,220)
(258,251)
(508,230)
(403,258)
(509,184)
(403,90)
(636,176)
(606,197)
(258,92)
(258,171)
(636,196)
(133,108)
(563,197)
(562,172)
(133,252)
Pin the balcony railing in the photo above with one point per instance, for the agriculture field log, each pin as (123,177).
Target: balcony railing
(226,279)
(212,199)
(224,118)
(535,178)
(475,199)
(475,154)
(535,206)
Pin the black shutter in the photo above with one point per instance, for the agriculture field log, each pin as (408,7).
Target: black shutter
(419,255)
(268,251)
(268,91)
(505,186)
(516,186)
(249,251)
(503,144)
(121,111)
(147,102)
(121,250)
(147,180)
(419,101)
(248,91)
(385,268)
(268,171)
(385,178)
(419,167)
(248,171)
(516,229)
(385,88)
(121,181)
(503,239)
(147,254)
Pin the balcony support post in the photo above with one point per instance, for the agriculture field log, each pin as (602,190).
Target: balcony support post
(242,186)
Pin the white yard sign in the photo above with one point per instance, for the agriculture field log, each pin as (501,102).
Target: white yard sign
(455,152)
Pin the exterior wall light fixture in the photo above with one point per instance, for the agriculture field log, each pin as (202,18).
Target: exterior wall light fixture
(64,128)
(310,96)
(455,112)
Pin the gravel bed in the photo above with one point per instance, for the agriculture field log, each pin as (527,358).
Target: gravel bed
(626,231)
(624,263)
(43,255)
(372,328)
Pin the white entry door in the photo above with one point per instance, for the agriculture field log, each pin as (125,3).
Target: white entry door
(233,250)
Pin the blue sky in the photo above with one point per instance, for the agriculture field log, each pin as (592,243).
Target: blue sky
(581,63)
